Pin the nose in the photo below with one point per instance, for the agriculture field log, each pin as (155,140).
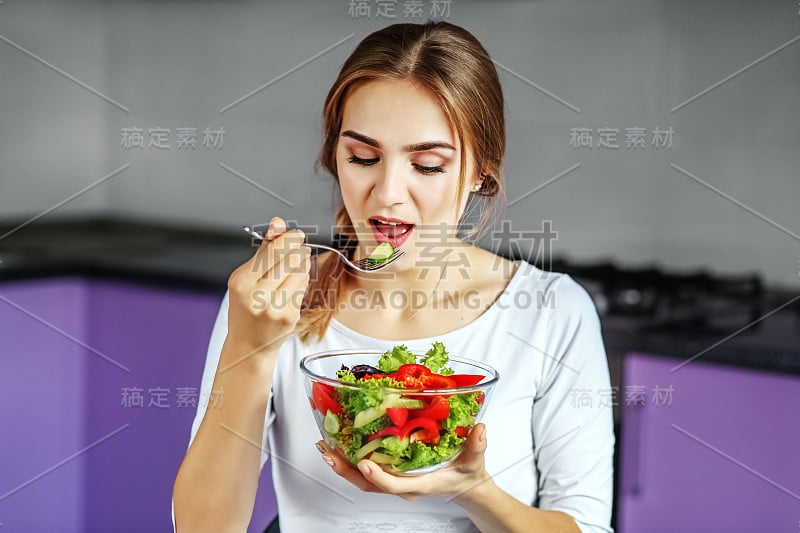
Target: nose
(390,187)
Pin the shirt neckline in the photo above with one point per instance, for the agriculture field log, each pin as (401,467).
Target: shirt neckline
(493,309)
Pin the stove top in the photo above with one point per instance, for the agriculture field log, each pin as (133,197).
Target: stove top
(695,301)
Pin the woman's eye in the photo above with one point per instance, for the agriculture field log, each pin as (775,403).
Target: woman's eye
(429,170)
(361,161)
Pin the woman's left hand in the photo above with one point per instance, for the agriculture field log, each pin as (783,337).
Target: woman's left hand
(454,481)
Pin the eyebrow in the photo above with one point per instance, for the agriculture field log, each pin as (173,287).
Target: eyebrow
(416,147)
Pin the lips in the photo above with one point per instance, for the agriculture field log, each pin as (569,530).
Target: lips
(392,230)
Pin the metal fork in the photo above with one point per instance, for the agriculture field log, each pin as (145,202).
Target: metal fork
(362,265)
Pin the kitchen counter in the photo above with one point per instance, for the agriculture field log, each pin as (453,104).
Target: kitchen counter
(201,259)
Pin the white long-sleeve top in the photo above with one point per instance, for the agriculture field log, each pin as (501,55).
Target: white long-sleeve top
(549,421)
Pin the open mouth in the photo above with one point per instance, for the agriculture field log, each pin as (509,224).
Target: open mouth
(391,230)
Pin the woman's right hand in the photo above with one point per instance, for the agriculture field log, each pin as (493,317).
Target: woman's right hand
(266,292)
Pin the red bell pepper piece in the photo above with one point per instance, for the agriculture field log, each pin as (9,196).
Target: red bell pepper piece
(322,398)
(398,415)
(413,370)
(438,409)
(411,382)
(437,381)
(461,431)
(385,432)
(465,380)
(422,429)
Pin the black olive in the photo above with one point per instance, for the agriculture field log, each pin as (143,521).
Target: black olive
(359,371)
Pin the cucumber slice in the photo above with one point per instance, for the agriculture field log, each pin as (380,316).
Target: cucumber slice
(382,458)
(382,252)
(366,416)
(331,423)
(409,403)
(367,448)
(395,400)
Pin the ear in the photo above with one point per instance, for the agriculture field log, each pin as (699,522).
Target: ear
(479,183)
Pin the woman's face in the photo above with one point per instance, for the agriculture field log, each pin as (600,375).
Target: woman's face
(398,161)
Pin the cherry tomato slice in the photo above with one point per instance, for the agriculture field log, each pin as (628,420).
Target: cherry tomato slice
(322,397)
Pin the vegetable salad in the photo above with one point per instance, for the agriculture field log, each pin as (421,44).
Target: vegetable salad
(403,431)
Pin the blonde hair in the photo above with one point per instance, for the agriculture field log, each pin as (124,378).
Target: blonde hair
(453,66)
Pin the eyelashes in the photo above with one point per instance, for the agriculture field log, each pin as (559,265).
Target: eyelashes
(429,170)
(369,162)
(363,162)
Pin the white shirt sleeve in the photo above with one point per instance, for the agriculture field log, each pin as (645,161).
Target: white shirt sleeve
(574,444)
(213,353)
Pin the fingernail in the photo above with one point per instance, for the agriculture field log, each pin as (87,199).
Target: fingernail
(364,468)
(328,460)
(483,436)
(320,447)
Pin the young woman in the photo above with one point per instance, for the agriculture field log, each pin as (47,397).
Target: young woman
(414,138)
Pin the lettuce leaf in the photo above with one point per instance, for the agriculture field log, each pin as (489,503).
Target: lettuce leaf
(392,359)
(422,455)
(436,358)
(463,408)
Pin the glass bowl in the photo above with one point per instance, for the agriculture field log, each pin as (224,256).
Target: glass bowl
(407,430)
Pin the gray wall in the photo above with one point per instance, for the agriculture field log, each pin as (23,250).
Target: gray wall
(622,64)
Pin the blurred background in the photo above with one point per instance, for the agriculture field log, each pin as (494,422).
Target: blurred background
(653,155)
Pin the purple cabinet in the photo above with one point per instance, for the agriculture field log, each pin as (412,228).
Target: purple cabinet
(43,407)
(712,448)
(78,453)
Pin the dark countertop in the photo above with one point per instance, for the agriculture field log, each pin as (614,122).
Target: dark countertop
(180,256)
(201,259)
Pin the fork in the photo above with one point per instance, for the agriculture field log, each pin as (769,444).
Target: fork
(362,265)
